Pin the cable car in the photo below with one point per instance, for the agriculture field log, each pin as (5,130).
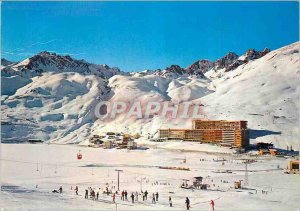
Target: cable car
(79,155)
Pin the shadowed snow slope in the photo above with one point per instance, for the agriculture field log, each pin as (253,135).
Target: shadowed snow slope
(265,92)
(57,104)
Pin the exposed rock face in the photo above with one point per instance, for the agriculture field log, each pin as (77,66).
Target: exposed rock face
(264,52)
(225,61)
(5,62)
(251,54)
(175,69)
(51,62)
(46,61)
(234,65)
(229,62)
(200,66)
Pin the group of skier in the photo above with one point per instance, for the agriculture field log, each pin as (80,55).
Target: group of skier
(134,196)
(93,194)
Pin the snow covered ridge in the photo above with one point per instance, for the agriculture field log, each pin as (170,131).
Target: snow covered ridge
(51,62)
(230,61)
(58,104)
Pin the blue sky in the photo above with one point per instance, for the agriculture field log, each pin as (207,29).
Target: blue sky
(145,35)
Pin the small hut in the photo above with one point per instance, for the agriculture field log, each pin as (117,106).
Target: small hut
(108,144)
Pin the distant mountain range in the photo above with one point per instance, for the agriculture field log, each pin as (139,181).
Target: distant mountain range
(53,97)
(52,62)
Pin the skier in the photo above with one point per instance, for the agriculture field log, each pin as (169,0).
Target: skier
(187,202)
(136,196)
(170,201)
(156,196)
(97,195)
(86,194)
(114,198)
(76,190)
(212,203)
(146,193)
(60,189)
(153,198)
(122,195)
(132,198)
(126,195)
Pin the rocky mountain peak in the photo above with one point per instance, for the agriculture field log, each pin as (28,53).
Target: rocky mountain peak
(252,54)
(225,61)
(264,52)
(46,61)
(5,62)
(200,66)
(51,62)
(175,69)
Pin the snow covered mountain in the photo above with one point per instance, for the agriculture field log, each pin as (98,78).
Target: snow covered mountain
(51,62)
(53,97)
(5,62)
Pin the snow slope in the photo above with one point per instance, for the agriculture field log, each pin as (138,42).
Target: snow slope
(47,167)
(57,104)
(265,92)
(49,109)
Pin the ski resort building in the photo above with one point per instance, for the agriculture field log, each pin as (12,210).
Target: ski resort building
(226,133)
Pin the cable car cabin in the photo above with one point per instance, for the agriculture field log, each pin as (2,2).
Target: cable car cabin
(79,155)
(294,167)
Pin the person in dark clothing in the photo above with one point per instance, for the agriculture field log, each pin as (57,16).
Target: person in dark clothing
(114,198)
(187,203)
(170,201)
(144,197)
(97,195)
(76,190)
(86,194)
(107,193)
(212,203)
(146,194)
(93,194)
(60,189)
(122,195)
(132,198)
(156,195)
(126,195)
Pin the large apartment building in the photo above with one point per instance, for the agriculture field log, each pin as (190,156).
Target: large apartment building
(223,132)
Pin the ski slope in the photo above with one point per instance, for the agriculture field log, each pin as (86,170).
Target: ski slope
(47,167)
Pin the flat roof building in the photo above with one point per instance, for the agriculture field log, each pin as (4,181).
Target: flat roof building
(227,133)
